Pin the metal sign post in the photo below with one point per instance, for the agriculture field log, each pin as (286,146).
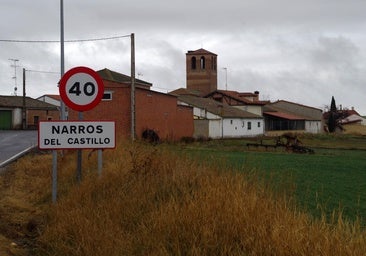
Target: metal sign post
(81,89)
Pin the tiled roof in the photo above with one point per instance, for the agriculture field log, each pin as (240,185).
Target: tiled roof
(110,75)
(284,115)
(200,51)
(236,96)
(17,102)
(293,103)
(289,108)
(184,91)
(217,108)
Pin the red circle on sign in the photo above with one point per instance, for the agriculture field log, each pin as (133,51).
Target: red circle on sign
(81,88)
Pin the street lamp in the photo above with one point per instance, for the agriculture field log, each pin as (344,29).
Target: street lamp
(225,78)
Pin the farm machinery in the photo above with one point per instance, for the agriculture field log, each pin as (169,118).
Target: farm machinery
(290,142)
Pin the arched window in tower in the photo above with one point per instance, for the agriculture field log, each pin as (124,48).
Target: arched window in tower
(213,62)
(202,62)
(193,63)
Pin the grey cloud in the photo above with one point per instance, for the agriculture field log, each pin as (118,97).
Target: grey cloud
(286,49)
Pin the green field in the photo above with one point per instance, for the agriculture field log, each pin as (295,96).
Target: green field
(332,179)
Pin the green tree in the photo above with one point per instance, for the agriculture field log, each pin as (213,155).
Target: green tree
(332,118)
(333,107)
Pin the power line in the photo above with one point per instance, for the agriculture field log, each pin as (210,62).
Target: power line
(40,71)
(66,41)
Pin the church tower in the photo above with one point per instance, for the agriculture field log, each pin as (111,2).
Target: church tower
(201,66)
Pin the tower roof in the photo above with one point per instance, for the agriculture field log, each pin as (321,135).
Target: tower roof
(200,51)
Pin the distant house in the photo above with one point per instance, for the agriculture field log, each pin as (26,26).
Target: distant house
(352,119)
(53,99)
(246,101)
(213,119)
(348,121)
(11,112)
(289,116)
(154,111)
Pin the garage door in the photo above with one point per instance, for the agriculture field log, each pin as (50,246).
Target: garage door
(5,119)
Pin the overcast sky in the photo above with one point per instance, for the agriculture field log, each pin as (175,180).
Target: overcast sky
(300,51)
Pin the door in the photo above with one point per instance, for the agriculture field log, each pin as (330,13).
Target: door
(5,119)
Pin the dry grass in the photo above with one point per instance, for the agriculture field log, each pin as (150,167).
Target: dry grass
(21,214)
(149,201)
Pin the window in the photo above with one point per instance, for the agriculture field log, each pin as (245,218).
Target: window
(231,121)
(35,119)
(249,125)
(107,96)
(193,63)
(259,124)
(202,62)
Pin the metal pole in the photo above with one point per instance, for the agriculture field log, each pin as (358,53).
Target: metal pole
(54,176)
(54,152)
(100,161)
(225,78)
(24,113)
(133,112)
(62,43)
(79,160)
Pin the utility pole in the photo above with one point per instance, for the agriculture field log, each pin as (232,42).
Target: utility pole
(15,74)
(133,112)
(24,111)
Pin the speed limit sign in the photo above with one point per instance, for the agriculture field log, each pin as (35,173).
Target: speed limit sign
(81,88)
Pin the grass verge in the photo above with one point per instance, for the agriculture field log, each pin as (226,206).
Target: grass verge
(150,201)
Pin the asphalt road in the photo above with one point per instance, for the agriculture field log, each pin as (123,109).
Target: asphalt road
(14,144)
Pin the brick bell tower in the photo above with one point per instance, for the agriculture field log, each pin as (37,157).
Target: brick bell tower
(201,66)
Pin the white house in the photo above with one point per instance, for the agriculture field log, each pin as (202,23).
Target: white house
(53,99)
(215,120)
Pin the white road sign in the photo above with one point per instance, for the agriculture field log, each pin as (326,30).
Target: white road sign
(76,134)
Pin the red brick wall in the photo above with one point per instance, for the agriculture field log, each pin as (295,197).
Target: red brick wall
(159,112)
(43,115)
(117,109)
(154,110)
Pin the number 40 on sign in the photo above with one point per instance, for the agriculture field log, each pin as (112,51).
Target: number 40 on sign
(81,88)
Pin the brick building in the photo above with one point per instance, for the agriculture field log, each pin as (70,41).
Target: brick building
(155,111)
(11,112)
(201,67)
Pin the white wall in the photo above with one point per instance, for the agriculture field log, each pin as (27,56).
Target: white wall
(215,129)
(242,127)
(254,109)
(50,100)
(17,118)
(313,126)
(230,127)
(363,122)
(202,113)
